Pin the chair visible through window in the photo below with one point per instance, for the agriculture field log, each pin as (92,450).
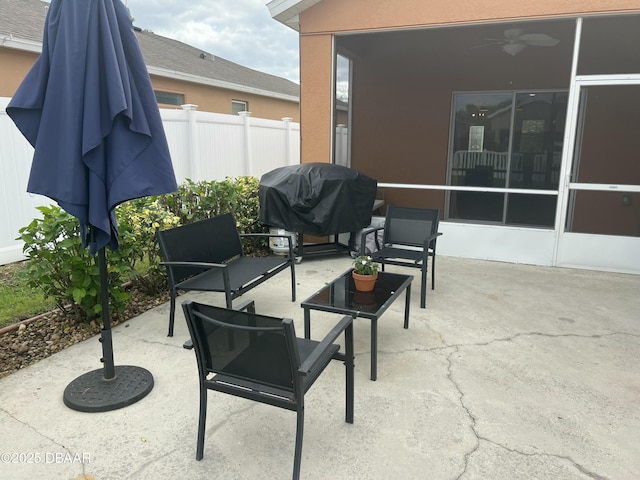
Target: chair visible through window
(260,358)
(409,240)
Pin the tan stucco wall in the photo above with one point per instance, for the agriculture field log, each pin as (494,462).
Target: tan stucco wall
(315,86)
(210,99)
(354,15)
(16,63)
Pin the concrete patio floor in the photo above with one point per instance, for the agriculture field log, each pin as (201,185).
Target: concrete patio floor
(511,372)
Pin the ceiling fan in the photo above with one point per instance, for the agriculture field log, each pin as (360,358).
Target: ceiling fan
(515,40)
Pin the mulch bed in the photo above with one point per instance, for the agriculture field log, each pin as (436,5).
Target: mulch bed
(35,340)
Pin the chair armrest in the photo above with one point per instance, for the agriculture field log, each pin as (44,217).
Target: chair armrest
(203,265)
(371,230)
(428,240)
(327,341)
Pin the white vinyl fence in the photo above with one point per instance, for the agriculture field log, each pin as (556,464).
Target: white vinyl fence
(203,146)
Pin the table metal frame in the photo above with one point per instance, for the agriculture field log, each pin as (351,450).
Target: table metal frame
(340,296)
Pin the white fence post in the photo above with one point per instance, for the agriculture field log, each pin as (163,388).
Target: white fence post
(287,139)
(204,146)
(247,141)
(193,143)
(342,146)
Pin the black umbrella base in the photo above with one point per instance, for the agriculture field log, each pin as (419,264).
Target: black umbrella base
(92,393)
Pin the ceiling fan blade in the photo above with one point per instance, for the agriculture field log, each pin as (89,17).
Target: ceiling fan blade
(513,33)
(539,40)
(497,42)
(513,48)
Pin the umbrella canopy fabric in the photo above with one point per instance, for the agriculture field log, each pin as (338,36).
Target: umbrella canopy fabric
(88,108)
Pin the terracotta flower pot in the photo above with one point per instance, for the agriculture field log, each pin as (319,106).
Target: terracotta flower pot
(365,283)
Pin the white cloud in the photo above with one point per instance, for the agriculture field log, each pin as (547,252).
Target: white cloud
(241,31)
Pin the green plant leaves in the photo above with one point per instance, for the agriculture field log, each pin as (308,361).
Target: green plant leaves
(65,271)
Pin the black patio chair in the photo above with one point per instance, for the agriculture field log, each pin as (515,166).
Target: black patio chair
(208,256)
(409,240)
(260,358)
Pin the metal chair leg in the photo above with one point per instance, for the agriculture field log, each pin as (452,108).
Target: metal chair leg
(433,273)
(202,421)
(172,313)
(423,286)
(298,451)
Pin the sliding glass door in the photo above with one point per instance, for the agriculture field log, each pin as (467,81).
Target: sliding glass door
(506,154)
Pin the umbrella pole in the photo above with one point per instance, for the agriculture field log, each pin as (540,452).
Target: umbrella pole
(105,333)
(110,387)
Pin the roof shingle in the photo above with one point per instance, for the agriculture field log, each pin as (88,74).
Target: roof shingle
(24,19)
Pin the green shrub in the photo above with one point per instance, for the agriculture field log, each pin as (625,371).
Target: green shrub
(247,214)
(200,200)
(68,273)
(138,222)
(65,271)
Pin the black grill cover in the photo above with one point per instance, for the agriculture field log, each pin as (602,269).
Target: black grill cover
(316,199)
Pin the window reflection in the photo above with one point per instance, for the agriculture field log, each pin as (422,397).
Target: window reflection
(513,140)
(481,139)
(537,140)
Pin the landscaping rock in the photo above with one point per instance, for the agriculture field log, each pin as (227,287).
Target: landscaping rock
(33,341)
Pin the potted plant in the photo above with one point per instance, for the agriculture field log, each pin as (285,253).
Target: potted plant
(365,273)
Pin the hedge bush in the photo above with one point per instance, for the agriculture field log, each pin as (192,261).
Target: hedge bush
(68,273)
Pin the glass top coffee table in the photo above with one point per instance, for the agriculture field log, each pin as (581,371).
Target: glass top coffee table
(341,296)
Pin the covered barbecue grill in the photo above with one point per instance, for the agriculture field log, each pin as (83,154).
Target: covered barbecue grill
(319,199)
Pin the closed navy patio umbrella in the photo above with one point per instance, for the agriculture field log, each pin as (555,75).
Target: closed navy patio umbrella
(88,108)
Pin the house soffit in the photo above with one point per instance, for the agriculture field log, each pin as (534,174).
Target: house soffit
(288,11)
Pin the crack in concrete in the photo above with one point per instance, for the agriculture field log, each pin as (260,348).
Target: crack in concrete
(578,466)
(541,334)
(151,342)
(208,432)
(446,346)
(54,442)
(227,419)
(473,419)
(513,337)
(461,395)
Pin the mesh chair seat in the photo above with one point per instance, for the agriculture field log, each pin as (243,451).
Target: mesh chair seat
(241,272)
(389,253)
(259,358)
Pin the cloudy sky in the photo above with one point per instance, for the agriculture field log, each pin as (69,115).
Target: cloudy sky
(238,30)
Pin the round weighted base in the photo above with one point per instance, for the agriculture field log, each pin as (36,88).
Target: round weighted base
(92,393)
